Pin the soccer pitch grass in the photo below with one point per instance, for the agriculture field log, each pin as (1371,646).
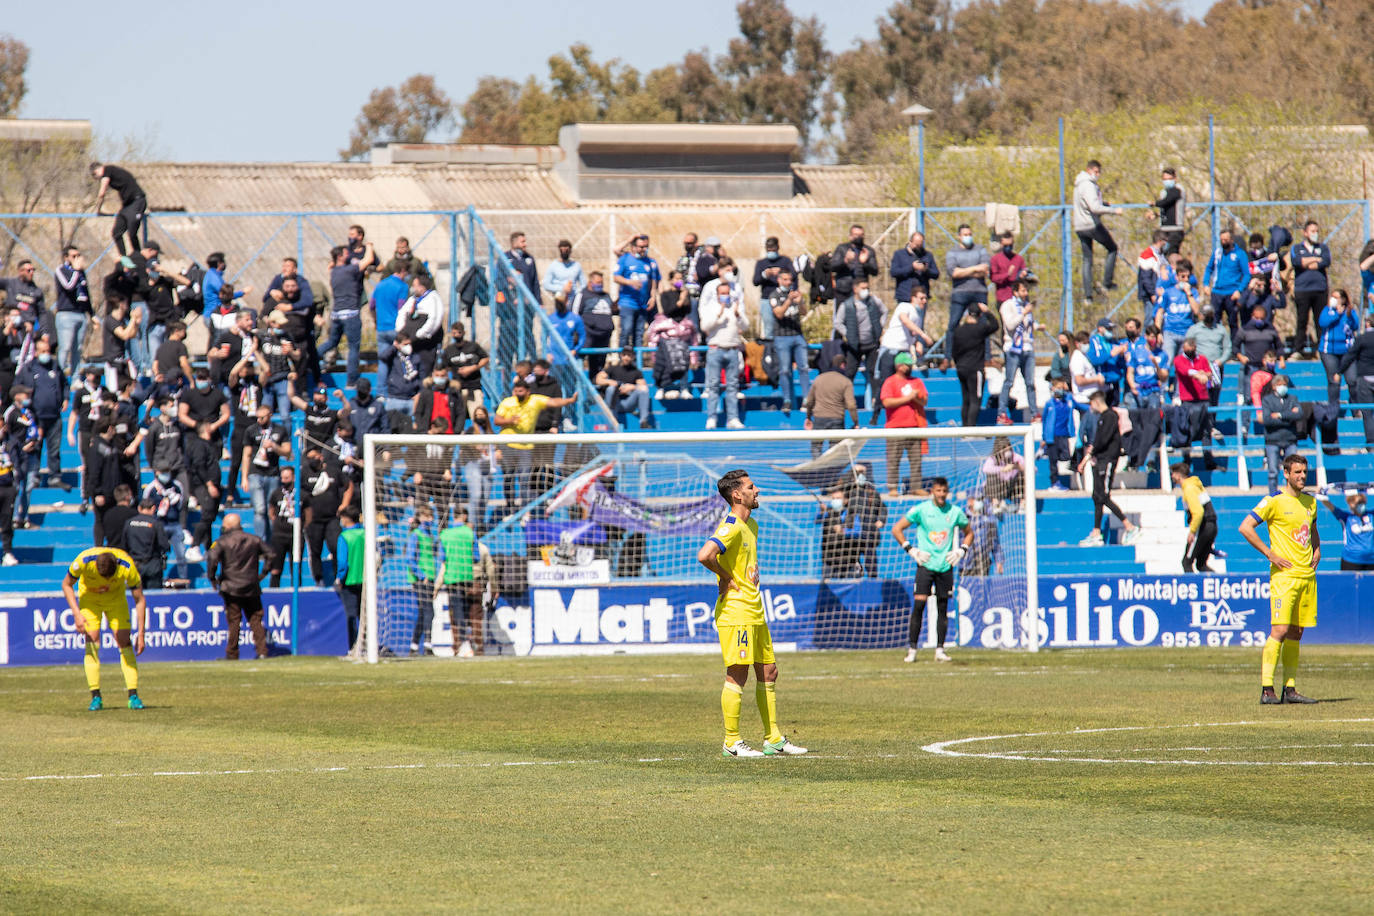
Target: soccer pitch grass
(596,784)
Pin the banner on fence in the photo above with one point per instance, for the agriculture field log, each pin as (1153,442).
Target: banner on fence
(182,626)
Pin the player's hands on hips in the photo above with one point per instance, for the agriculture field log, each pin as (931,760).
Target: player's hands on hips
(956,556)
(727,585)
(917,554)
(1280,562)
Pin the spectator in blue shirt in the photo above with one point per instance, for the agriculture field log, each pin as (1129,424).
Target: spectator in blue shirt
(1056,429)
(274,295)
(387,298)
(913,267)
(1310,259)
(211,285)
(1108,357)
(1337,326)
(1357,525)
(569,328)
(1142,370)
(564,271)
(1226,275)
(637,276)
(1177,308)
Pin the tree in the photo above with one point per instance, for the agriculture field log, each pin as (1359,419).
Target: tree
(490,114)
(408,113)
(14,60)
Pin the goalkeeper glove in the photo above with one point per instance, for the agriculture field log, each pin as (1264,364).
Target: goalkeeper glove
(917,554)
(956,556)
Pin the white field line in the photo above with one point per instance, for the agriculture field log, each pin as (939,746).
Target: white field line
(946,748)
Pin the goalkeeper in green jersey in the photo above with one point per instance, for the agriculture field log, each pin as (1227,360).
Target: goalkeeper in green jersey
(937,550)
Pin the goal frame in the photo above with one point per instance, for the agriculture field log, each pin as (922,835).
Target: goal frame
(374,443)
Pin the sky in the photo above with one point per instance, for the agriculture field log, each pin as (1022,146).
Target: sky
(283,81)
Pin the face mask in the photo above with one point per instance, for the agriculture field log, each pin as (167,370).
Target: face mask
(1006,250)
(1060,393)
(45,358)
(863,294)
(1131,335)
(21,403)
(440,381)
(405,349)
(1281,390)
(595,287)
(1209,320)
(1063,348)
(857,242)
(1169,183)
(202,385)
(1358,508)
(772,256)
(316,463)
(1256,253)
(1312,237)
(321,402)
(728,277)
(164,478)
(1334,302)
(1227,246)
(966,241)
(861,478)
(1269,367)
(264,421)
(836,504)
(677,284)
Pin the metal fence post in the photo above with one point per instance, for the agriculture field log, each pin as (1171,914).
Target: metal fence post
(453,266)
(921,175)
(300,241)
(1212,178)
(1065,252)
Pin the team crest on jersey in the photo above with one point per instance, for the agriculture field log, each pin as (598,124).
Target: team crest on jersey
(722,531)
(938,538)
(1303,535)
(743,653)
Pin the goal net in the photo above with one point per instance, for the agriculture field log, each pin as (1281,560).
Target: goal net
(588,542)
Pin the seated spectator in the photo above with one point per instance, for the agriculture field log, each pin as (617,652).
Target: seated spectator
(672,334)
(1282,414)
(1337,325)
(1057,431)
(1256,338)
(1005,472)
(625,390)
(1357,528)
(594,306)
(985,553)
(828,400)
(1214,343)
(723,326)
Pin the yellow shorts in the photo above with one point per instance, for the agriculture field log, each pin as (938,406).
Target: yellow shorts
(119,618)
(746,645)
(1293,601)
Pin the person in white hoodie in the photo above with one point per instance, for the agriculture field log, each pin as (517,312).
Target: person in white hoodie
(722,325)
(1088,210)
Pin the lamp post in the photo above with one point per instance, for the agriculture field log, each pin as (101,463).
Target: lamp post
(917,134)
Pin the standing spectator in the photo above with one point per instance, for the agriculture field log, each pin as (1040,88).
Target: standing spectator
(544,384)
(1108,356)
(284,513)
(970,339)
(1006,268)
(1359,359)
(202,473)
(429,467)
(1226,275)
(904,398)
(1173,210)
(851,262)
(864,517)
(387,298)
(1337,326)
(787,307)
(84,410)
(479,464)
(913,267)
(164,447)
(1177,309)
(1018,350)
(637,276)
(568,327)
(357,244)
(725,277)
(1357,528)
(117,518)
(265,444)
(9,492)
(523,263)
(345,317)
(904,334)
(133,204)
(158,289)
(465,360)
(672,335)
(1310,259)
(211,286)
(626,391)
(563,272)
(22,293)
(1088,210)
(48,385)
(767,270)
(146,541)
(1153,261)
(276,361)
(278,299)
(440,400)
(1258,293)
(519,414)
(723,325)
(16,338)
(326,491)
(1282,413)
(320,419)
(348,582)
(169,502)
(687,269)
(1214,343)
(23,441)
(238,561)
(968,266)
(1194,374)
(1101,456)
(404,375)
(408,261)
(985,551)
(1144,369)
(1367,278)
(597,312)
(1059,363)
(422,317)
(1201,516)
(828,400)
(116,330)
(364,413)
(204,403)
(1084,381)
(859,321)
(1056,429)
(74,310)
(421,564)
(246,394)
(231,346)
(1254,339)
(103,475)
(172,362)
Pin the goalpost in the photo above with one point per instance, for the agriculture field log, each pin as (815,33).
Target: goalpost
(587,542)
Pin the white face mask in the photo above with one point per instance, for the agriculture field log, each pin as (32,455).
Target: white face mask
(728,276)
(1281,390)
(863,294)
(405,349)
(836,504)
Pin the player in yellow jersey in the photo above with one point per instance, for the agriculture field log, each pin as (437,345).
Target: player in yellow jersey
(106,577)
(732,554)
(1293,553)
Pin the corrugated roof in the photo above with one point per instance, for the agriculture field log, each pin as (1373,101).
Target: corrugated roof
(843,186)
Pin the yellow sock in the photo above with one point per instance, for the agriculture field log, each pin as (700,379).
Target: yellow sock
(128,663)
(1290,662)
(1269,660)
(731,699)
(93,665)
(767,696)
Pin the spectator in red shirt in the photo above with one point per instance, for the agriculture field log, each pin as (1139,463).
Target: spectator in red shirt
(1006,267)
(904,398)
(1194,375)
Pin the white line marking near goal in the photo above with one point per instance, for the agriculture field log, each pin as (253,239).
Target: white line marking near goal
(945,748)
